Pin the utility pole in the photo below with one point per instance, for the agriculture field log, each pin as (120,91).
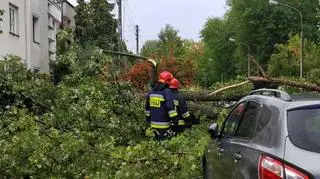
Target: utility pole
(119,2)
(62,14)
(137,38)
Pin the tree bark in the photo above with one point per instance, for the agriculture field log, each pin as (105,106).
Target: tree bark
(204,110)
(264,74)
(229,87)
(202,96)
(307,86)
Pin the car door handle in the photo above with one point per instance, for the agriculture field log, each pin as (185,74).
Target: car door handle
(237,157)
(220,150)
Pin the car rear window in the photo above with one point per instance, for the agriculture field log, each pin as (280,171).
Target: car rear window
(304,127)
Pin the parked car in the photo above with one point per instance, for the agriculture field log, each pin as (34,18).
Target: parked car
(267,135)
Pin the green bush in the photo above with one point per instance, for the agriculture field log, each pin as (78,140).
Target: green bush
(88,125)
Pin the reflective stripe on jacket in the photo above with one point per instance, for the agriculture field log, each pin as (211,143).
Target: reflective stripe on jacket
(160,107)
(181,107)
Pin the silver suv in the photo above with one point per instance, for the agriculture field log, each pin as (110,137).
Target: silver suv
(267,135)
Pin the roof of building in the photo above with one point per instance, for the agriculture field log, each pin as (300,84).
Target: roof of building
(69,3)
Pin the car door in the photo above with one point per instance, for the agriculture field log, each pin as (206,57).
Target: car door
(245,154)
(220,162)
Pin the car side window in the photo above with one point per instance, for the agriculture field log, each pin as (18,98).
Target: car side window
(232,121)
(264,119)
(248,123)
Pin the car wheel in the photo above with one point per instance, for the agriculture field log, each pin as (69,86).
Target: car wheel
(204,167)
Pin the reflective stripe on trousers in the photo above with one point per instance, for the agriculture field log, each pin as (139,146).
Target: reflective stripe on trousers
(160,125)
(173,113)
(185,115)
(181,123)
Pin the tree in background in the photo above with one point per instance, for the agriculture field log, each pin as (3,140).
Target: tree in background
(218,62)
(173,53)
(170,42)
(261,26)
(140,75)
(286,61)
(150,48)
(82,23)
(96,25)
(1,13)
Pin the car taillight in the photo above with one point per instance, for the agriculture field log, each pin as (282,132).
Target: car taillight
(270,168)
(292,173)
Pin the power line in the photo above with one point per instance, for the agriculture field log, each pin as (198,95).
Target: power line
(130,18)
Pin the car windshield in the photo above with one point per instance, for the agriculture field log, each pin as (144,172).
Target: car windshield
(304,127)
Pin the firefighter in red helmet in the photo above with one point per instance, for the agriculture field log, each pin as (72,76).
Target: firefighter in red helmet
(160,108)
(181,107)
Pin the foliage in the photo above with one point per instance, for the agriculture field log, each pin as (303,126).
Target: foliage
(150,48)
(140,75)
(184,71)
(313,76)
(170,42)
(286,61)
(239,91)
(218,63)
(257,24)
(178,158)
(174,54)
(88,125)
(95,24)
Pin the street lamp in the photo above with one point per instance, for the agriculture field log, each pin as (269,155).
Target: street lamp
(249,52)
(273,2)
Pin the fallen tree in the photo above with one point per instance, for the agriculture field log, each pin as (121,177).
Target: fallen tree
(202,96)
(278,81)
(208,111)
(228,87)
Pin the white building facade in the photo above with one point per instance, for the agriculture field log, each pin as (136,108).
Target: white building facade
(29,30)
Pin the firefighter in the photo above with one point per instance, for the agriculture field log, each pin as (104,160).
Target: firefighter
(160,108)
(181,107)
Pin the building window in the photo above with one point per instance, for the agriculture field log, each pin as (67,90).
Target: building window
(36,69)
(36,29)
(51,21)
(51,56)
(51,45)
(13,15)
(66,22)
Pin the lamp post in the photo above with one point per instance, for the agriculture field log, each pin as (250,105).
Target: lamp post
(249,52)
(301,31)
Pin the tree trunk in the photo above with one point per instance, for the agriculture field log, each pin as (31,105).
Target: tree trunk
(307,86)
(202,96)
(204,110)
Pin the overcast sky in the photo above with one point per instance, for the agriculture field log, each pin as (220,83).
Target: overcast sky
(187,16)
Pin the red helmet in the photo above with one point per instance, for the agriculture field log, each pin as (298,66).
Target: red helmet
(165,77)
(174,83)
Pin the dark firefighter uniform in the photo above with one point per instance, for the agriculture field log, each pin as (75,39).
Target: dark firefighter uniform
(160,108)
(183,113)
(182,109)
(160,111)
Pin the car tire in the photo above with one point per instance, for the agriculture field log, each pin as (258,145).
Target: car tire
(204,167)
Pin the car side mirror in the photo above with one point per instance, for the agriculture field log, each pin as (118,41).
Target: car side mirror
(214,130)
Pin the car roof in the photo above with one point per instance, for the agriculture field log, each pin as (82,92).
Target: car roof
(296,104)
(270,99)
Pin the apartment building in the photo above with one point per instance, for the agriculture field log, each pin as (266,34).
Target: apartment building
(30,27)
